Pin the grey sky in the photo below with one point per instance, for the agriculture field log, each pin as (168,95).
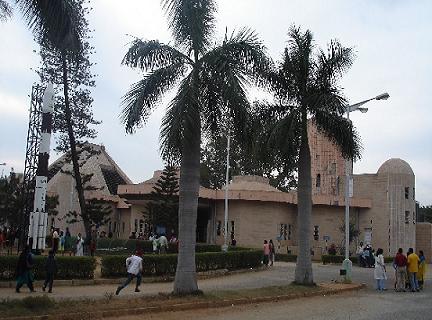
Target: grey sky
(391,38)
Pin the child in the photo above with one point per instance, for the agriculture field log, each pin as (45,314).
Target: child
(51,270)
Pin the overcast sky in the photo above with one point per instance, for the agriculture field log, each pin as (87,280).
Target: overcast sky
(391,38)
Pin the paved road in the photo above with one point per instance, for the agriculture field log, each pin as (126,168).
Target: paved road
(362,305)
(280,274)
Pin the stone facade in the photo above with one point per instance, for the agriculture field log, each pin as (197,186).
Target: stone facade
(424,239)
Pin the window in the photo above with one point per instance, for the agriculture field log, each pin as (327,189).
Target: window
(136,225)
(414,217)
(333,168)
(141,226)
(316,233)
(337,185)
(318,182)
(407,216)
(406,193)
(219,228)
(289,231)
(285,231)
(413,193)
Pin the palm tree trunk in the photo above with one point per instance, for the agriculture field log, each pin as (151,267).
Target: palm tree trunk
(185,279)
(74,155)
(303,271)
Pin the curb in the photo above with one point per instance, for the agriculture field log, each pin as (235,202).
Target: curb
(189,305)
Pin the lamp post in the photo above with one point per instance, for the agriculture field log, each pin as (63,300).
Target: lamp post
(225,245)
(347,264)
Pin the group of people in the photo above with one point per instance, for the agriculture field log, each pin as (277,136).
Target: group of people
(8,238)
(409,270)
(269,253)
(62,241)
(24,270)
(366,256)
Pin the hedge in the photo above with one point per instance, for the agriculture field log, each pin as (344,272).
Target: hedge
(286,257)
(121,246)
(68,267)
(114,266)
(339,259)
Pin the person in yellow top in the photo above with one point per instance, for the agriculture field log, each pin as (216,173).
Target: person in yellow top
(421,269)
(413,264)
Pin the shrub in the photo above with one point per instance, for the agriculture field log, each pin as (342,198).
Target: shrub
(286,257)
(38,303)
(330,258)
(166,264)
(68,267)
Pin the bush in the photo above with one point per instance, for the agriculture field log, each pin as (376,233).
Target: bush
(330,258)
(166,264)
(286,257)
(68,267)
(106,246)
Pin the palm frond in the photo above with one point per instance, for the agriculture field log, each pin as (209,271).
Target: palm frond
(143,96)
(341,132)
(55,21)
(181,123)
(325,98)
(150,55)
(191,22)
(5,10)
(333,64)
(286,133)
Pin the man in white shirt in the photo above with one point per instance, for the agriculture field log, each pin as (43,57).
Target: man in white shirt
(134,269)
(163,244)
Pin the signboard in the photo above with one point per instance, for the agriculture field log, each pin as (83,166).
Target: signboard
(326,238)
(351,187)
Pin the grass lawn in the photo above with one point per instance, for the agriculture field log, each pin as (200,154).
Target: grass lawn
(43,305)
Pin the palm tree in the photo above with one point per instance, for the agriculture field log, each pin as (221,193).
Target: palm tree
(5,10)
(212,82)
(306,86)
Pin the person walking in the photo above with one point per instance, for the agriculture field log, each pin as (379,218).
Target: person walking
(134,269)
(23,270)
(380,270)
(400,263)
(163,244)
(272,252)
(266,251)
(51,270)
(55,241)
(155,243)
(79,246)
(421,270)
(62,243)
(413,263)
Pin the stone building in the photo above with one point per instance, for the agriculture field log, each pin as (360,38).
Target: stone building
(106,176)
(382,207)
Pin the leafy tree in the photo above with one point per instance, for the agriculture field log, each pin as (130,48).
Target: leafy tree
(54,22)
(306,89)
(73,116)
(353,232)
(250,154)
(425,214)
(11,200)
(163,206)
(212,85)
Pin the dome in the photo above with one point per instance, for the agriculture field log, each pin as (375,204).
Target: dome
(395,166)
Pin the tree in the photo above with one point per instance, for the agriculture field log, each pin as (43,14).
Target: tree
(353,233)
(425,214)
(306,89)
(250,154)
(163,206)
(73,117)
(11,200)
(212,85)
(54,22)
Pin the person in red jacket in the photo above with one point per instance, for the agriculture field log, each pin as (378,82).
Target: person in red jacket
(400,262)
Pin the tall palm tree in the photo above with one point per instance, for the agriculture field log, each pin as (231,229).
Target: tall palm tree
(55,22)
(5,10)
(306,86)
(212,82)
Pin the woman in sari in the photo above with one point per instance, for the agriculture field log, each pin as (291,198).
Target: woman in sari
(421,269)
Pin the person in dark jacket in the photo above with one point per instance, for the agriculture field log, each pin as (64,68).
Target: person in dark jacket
(51,270)
(23,270)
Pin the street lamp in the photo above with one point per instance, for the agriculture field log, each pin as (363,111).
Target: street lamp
(347,264)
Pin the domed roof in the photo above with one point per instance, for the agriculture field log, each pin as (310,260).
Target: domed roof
(395,166)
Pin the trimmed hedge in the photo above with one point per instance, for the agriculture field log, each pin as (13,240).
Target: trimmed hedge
(166,264)
(107,246)
(68,267)
(286,257)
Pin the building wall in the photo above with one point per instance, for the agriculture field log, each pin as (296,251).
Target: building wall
(424,239)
